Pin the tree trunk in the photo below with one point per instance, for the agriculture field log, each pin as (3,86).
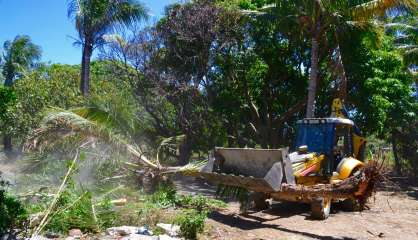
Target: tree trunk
(85,68)
(8,82)
(310,107)
(7,143)
(398,168)
(7,139)
(185,151)
(352,187)
(360,186)
(343,77)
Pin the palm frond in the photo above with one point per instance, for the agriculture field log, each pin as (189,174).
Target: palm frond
(398,26)
(73,8)
(191,169)
(60,124)
(96,115)
(94,19)
(109,115)
(170,143)
(127,12)
(374,8)
(411,55)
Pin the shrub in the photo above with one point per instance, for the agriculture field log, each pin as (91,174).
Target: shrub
(165,196)
(191,222)
(13,215)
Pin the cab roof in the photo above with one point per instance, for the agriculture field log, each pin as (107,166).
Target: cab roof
(344,121)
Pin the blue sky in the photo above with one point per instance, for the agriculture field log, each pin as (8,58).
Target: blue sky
(46,22)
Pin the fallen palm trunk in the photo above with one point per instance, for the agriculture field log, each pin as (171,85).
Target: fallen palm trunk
(360,186)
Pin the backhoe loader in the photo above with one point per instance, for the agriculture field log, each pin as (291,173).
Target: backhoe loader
(326,150)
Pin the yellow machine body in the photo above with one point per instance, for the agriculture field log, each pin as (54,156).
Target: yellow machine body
(348,166)
(305,171)
(358,143)
(311,170)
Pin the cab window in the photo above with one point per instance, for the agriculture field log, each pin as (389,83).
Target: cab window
(343,141)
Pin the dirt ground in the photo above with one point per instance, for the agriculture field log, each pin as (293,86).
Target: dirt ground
(392,215)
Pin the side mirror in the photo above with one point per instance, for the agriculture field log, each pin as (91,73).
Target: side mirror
(303,149)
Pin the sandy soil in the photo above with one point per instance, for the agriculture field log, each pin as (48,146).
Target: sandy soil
(392,215)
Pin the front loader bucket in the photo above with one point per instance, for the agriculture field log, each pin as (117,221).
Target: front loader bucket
(259,170)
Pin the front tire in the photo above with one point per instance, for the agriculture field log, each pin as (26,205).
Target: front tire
(351,205)
(320,208)
(256,201)
(260,201)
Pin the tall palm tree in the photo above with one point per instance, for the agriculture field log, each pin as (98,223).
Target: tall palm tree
(19,57)
(321,18)
(95,18)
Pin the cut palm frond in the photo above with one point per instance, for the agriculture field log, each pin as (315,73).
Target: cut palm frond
(60,124)
(171,144)
(191,169)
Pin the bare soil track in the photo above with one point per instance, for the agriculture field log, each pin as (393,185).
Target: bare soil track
(393,214)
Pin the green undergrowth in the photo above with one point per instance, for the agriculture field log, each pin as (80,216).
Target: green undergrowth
(194,209)
(93,212)
(13,215)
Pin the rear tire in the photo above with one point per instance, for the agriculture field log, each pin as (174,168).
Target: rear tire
(320,208)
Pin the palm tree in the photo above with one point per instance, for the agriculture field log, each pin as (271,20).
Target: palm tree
(404,30)
(95,18)
(321,18)
(19,57)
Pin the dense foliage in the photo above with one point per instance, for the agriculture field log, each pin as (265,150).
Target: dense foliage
(236,73)
(232,73)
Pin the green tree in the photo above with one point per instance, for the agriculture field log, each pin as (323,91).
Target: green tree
(56,85)
(170,65)
(47,86)
(19,57)
(258,84)
(381,99)
(403,28)
(95,18)
(7,99)
(325,20)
